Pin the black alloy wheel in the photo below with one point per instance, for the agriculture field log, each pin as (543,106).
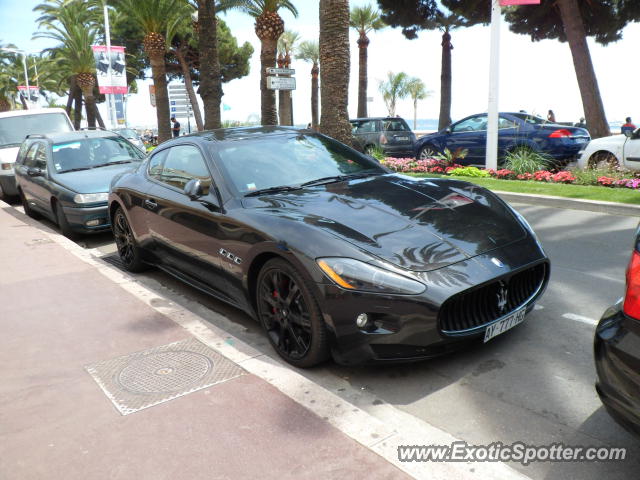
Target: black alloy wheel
(126,243)
(290,315)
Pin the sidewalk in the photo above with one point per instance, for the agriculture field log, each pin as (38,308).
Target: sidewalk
(60,315)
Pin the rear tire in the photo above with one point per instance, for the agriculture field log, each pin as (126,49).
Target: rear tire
(427,152)
(290,315)
(128,249)
(63,224)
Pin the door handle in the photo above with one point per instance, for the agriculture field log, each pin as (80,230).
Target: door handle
(150,204)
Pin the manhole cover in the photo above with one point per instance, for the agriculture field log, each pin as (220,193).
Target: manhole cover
(144,379)
(164,372)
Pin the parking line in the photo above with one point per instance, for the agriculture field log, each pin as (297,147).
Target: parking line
(580,318)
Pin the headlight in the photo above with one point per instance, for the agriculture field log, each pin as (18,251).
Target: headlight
(352,274)
(91,197)
(7,166)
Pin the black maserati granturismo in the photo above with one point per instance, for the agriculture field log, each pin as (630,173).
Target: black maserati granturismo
(332,253)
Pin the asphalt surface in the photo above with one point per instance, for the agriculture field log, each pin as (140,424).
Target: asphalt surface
(533,384)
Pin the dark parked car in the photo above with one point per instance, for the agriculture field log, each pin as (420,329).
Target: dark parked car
(391,134)
(617,351)
(66,176)
(561,143)
(330,251)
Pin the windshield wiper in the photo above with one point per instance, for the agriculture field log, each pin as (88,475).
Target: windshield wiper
(281,188)
(76,169)
(115,162)
(340,178)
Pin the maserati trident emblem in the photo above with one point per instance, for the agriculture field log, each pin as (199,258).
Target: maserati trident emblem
(497,262)
(502,298)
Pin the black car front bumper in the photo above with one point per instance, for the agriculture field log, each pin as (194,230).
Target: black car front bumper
(617,357)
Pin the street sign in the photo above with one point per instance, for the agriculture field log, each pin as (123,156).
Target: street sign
(281,71)
(182,101)
(176,87)
(281,83)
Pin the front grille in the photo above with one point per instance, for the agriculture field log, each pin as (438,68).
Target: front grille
(473,309)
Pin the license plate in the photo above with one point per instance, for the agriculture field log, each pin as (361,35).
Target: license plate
(505,324)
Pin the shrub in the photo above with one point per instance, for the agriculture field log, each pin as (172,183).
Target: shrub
(563,177)
(524,160)
(449,158)
(376,152)
(504,174)
(468,172)
(591,176)
(542,176)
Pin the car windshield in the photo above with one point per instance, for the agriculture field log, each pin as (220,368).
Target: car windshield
(532,119)
(128,133)
(395,125)
(13,130)
(290,160)
(88,153)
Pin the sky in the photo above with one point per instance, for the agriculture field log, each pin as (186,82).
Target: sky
(534,76)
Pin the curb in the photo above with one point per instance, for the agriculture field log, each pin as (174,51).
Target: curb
(610,208)
(382,433)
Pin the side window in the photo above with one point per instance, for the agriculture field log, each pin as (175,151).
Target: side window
(22,154)
(473,124)
(184,163)
(506,123)
(29,161)
(368,126)
(40,157)
(154,167)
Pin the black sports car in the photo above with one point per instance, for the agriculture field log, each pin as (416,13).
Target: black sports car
(617,351)
(331,252)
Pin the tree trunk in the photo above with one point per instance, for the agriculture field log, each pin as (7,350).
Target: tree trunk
(269,115)
(445,82)
(283,108)
(158,71)
(363,45)
(415,113)
(315,71)
(90,106)
(587,81)
(98,116)
(72,86)
(77,114)
(189,86)
(334,69)
(210,77)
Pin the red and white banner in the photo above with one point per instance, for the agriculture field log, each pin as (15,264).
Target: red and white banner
(34,92)
(506,3)
(118,82)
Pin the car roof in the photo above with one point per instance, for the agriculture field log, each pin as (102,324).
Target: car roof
(242,133)
(70,136)
(33,111)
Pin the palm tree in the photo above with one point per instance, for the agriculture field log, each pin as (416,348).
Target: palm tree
(417,91)
(364,20)
(334,69)
(268,27)
(286,46)
(10,70)
(394,89)
(158,19)
(310,52)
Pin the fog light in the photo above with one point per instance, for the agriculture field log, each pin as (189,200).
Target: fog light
(362,320)
(93,223)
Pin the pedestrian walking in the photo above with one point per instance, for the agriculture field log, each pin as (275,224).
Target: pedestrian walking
(176,127)
(551,117)
(628,127)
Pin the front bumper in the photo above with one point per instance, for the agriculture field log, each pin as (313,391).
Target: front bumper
(8,183)
(617,357)
(408,327)
(88,219)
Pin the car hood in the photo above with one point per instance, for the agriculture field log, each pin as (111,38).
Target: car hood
(9,154)
(96,180)
(415,224)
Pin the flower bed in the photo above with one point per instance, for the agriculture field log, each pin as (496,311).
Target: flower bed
(411,165)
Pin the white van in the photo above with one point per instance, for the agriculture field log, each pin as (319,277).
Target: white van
(14,127)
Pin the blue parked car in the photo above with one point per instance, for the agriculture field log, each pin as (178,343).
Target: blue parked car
(66,177)
(562,143)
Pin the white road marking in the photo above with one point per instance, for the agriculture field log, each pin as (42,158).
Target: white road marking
(580,318)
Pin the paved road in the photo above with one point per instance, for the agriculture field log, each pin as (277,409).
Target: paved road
(533,384)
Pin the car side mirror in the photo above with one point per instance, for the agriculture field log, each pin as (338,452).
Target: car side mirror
(35,172)
(193,189)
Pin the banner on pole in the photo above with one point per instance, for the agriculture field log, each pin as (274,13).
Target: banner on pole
(32,96)
(506,3)
(118,69)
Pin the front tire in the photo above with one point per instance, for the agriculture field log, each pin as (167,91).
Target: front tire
(25,205)
(63,224)
(289,313)
(128,249)
(603,161)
